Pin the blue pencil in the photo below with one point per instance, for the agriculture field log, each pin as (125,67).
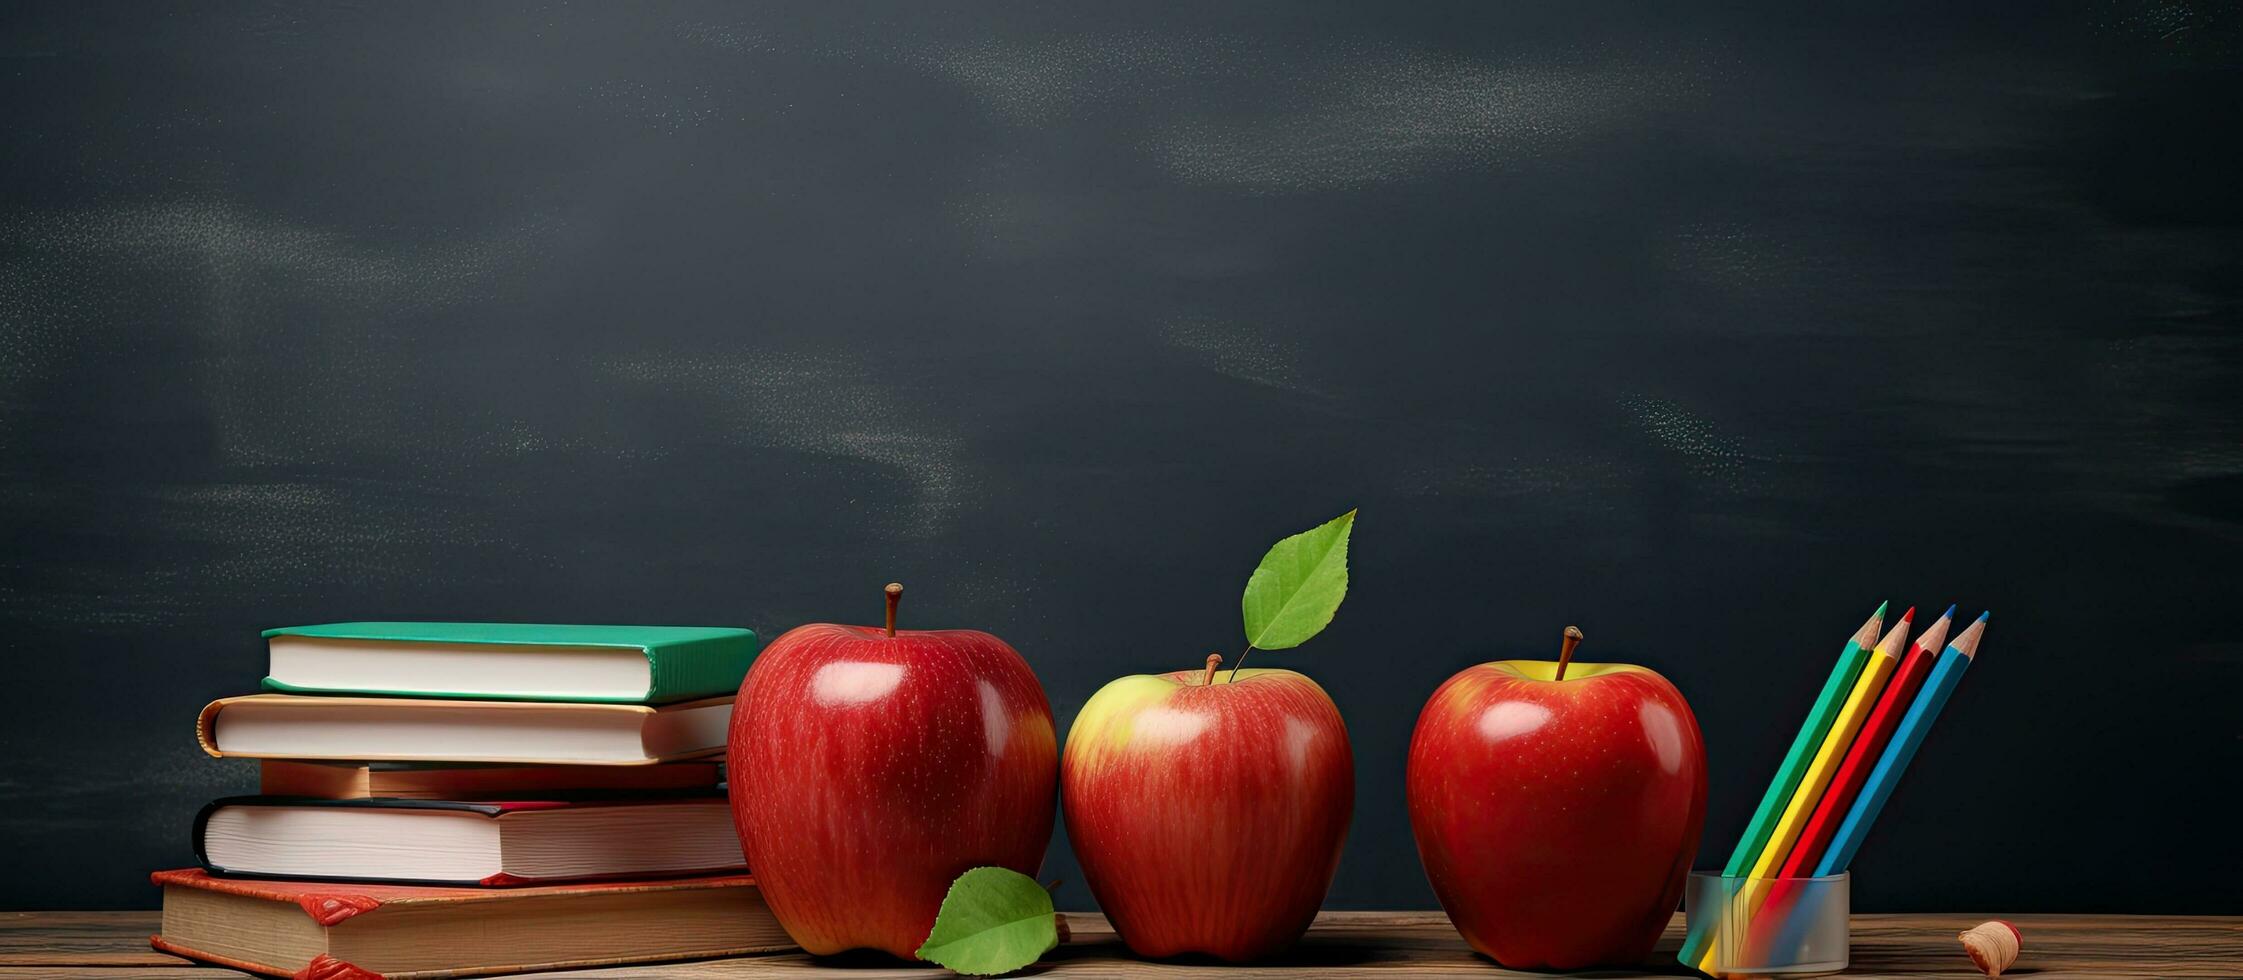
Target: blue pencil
(1906,739)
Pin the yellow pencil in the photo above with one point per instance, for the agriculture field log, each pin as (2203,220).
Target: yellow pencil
(1863,697)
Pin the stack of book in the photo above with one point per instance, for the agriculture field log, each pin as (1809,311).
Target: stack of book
(443,799)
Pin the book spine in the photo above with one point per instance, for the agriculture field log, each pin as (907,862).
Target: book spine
(195,836)
(206,725)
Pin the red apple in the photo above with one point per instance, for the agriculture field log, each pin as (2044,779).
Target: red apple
(870,767)
(1208,813)
(1557,807)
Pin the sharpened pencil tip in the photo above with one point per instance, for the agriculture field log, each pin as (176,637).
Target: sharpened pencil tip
(1982,617)
(1949,614)
(1908,616)
(1880,613)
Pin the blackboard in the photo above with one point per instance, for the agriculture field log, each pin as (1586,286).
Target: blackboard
(1703,329)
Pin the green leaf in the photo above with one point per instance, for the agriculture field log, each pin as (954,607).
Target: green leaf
(993,921)
(1298,587)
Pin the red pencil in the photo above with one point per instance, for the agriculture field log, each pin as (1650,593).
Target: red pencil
(1862,757)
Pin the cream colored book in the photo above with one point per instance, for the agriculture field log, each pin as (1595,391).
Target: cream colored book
(291,726)
(452,842)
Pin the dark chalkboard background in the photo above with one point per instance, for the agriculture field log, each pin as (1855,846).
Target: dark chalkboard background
(1704,330)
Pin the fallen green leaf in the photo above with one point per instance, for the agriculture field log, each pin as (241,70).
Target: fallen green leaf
(993,921)
(1298,586)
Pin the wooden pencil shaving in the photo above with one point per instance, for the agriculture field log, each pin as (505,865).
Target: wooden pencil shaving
(1993,946)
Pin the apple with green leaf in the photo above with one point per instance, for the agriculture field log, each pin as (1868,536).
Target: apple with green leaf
(1557,806)
(1208,807)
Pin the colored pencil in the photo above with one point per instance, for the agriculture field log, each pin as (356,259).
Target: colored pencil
(1876,733)
(1811,731)
(1905,741)
(1863,697)
(1812,781)
(1845,785)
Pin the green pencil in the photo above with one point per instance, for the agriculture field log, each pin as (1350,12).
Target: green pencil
(1811,732)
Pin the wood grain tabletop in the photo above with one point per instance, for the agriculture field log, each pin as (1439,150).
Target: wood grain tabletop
(72,945)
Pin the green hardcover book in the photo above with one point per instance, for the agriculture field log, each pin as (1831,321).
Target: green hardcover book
(511,661)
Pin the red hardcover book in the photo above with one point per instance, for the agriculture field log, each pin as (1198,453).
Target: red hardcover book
(337,931)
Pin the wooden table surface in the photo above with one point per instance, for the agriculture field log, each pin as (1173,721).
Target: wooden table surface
(70,945)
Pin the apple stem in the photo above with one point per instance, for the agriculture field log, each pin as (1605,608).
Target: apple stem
(1214,660)
(1565,650)
(895,595)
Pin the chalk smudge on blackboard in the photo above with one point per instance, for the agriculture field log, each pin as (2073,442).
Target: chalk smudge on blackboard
(1238,351)
(1380,116)
(1009,224)
(233,244)
(1585,479)
(1035,83)
(732,37)
(829,406)
(287,536)
(295,326)
(272,540)
(1600,468)
(1747,261)
(1716,459)
(668,108)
